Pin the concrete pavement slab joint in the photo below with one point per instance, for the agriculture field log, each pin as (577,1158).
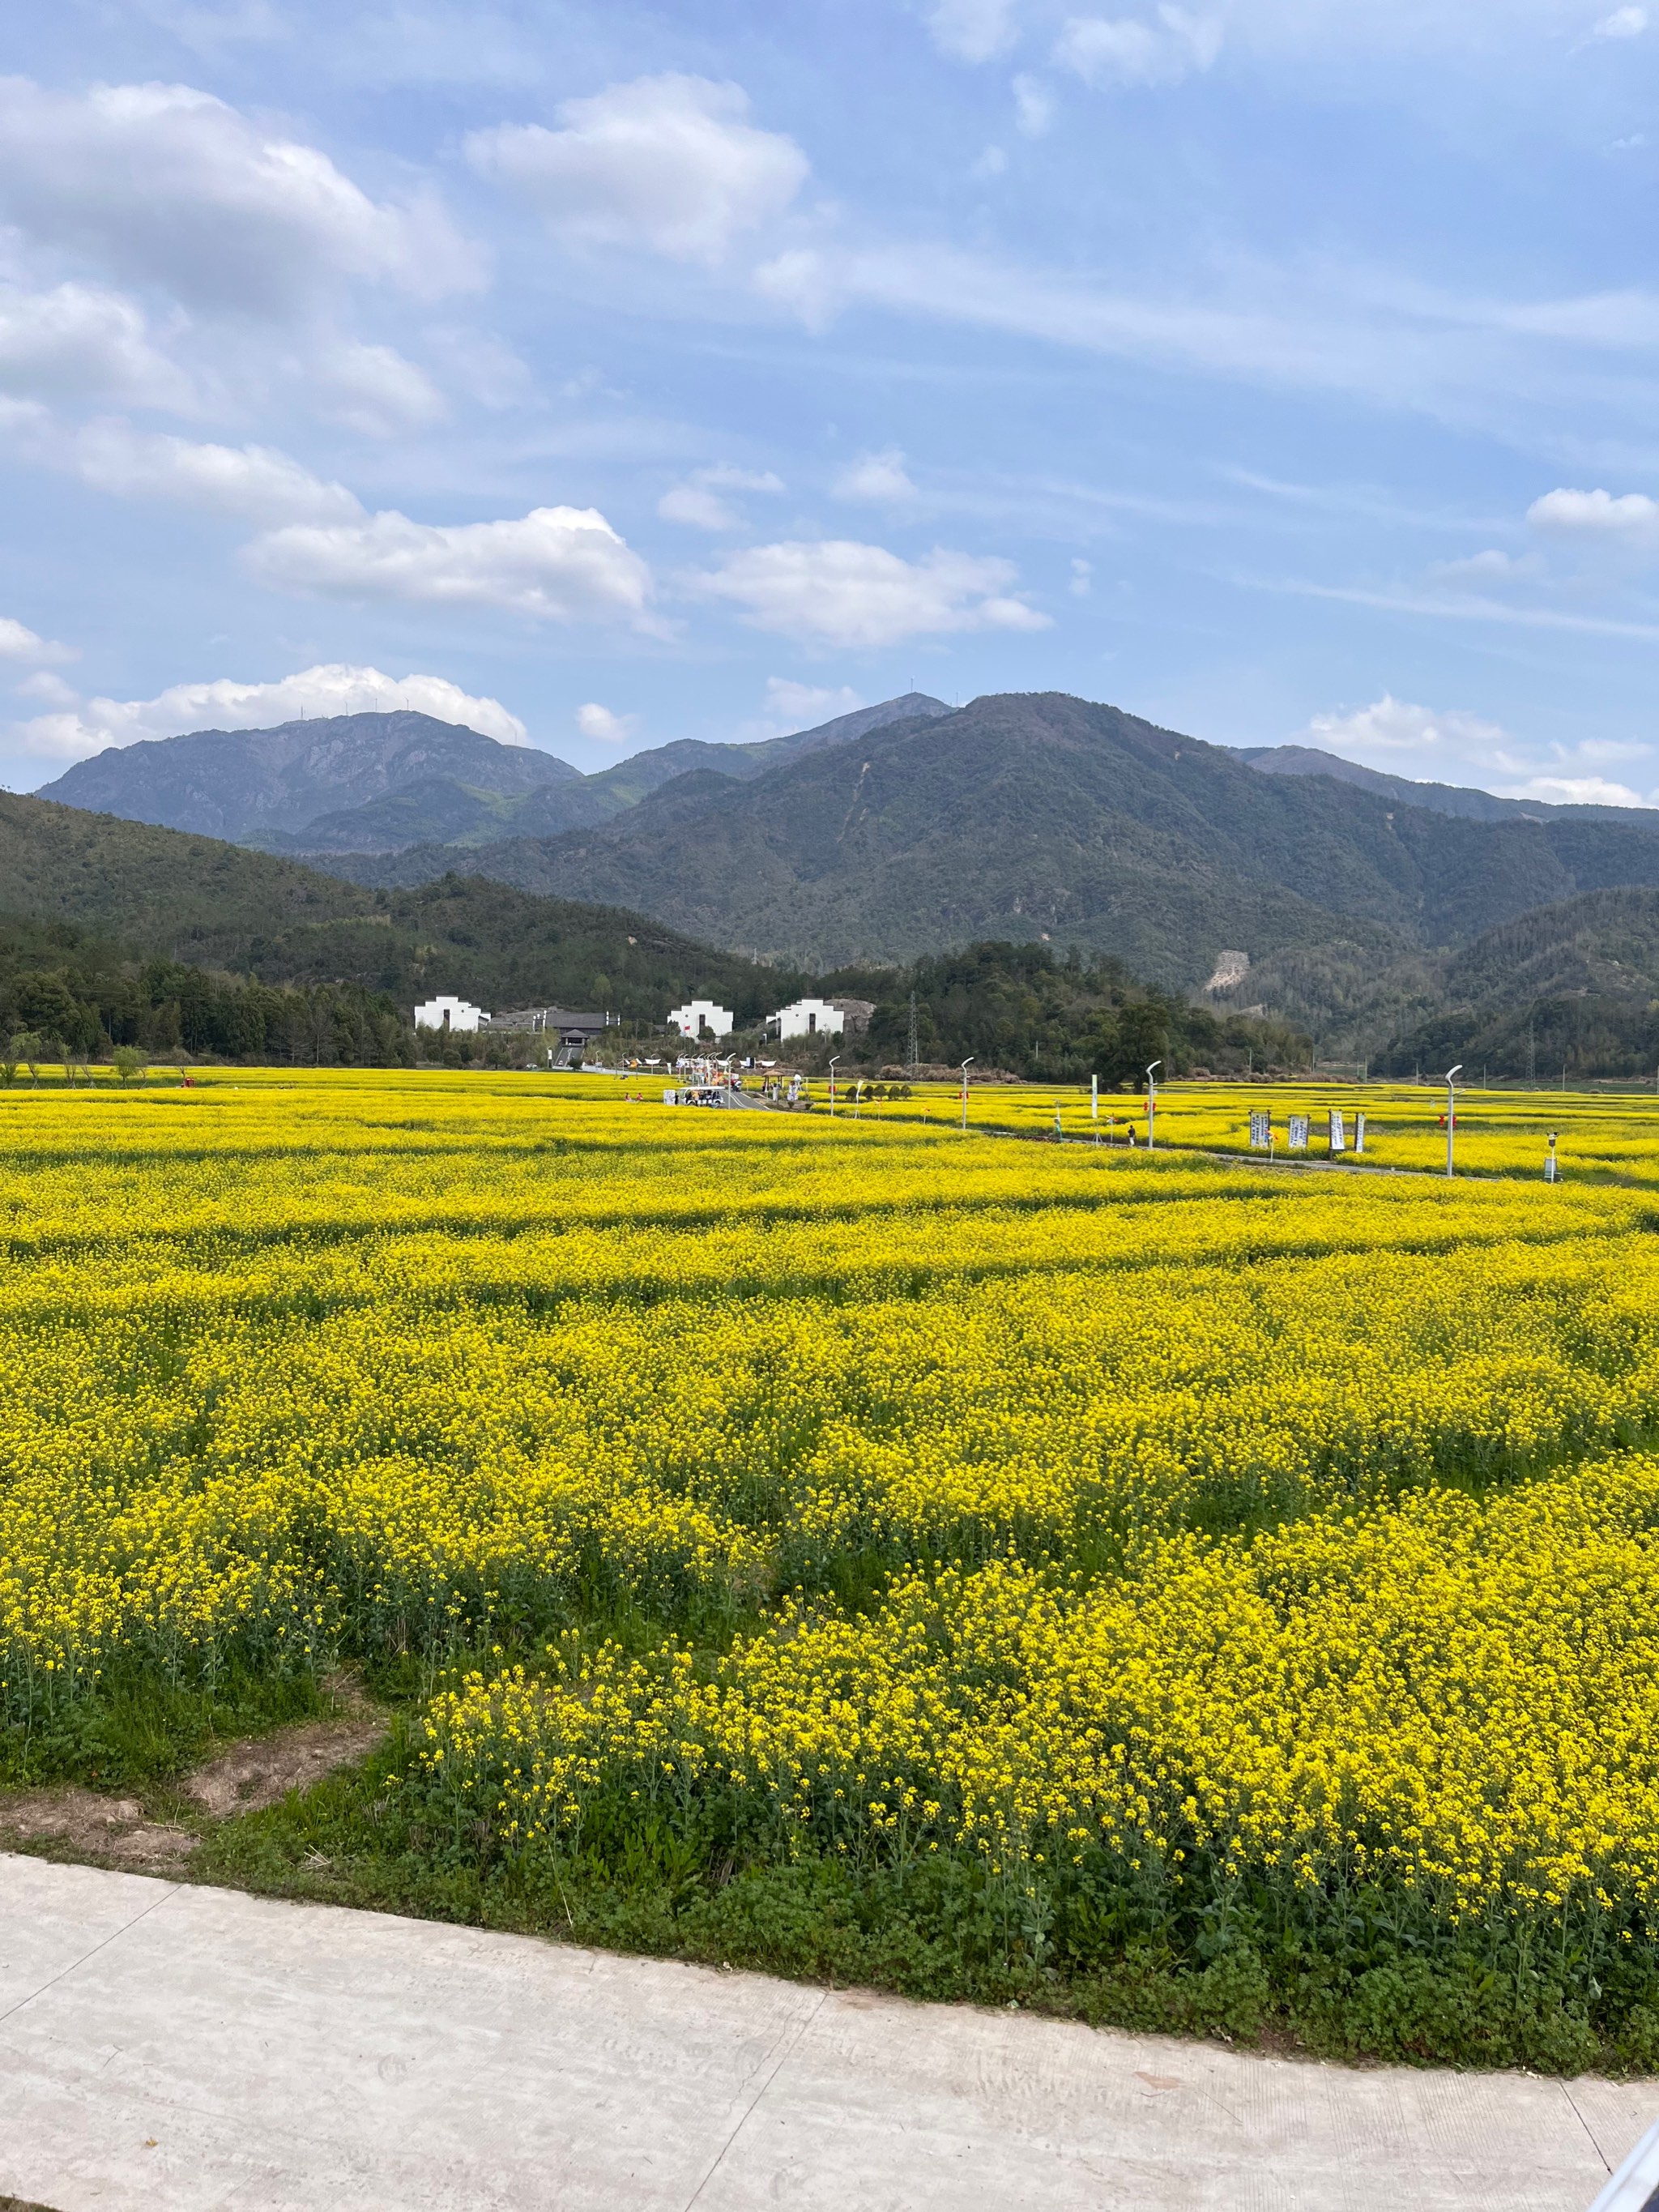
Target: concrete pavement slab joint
(792,2042)
(74,1965)
(1566,2091)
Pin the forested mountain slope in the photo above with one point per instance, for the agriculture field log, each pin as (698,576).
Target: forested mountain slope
(1034,816)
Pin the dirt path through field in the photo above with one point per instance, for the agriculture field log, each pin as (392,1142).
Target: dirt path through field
(128,1832)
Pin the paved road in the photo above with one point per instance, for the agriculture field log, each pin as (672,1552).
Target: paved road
(176,2047)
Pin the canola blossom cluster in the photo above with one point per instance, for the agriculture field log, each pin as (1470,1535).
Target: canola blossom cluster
(1598,1136)
(874,1490)
(1464,1701)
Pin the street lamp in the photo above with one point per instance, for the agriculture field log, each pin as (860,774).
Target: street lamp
(1152,1104)
(966,1064)
(1452,1111)
(832,1082)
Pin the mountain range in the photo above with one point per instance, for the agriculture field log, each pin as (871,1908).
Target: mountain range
(1278,879)
(1437,798)
(1034,817)
(381,783)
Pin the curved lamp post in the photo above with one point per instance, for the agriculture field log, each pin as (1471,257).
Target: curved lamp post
(1452,1073)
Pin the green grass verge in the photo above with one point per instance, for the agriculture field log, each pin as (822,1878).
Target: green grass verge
(139,1730)
(1370,1978)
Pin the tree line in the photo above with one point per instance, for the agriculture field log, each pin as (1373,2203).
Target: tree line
(1064,1020)
(90,1003)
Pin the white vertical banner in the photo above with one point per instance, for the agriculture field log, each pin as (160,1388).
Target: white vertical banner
(1298,1138)
(1260,1133)
(1094,1098)
(1359,1130)
(1339,1134)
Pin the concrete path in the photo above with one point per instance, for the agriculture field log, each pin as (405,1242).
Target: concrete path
(175,2047)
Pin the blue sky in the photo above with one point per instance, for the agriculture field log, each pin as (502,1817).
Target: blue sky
(1279,369)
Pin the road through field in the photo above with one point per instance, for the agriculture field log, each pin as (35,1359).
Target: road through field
(174,2046)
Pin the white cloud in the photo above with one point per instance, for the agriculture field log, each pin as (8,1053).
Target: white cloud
(1034,106)
(373,390)
(46,683)
(25,648)
(697,501)
(1082,583)
(1310,326)
(791,705)
(811,285)
(331,689)
(1393,725)
(1461,748)
(1101,51)
(256,482)
(668,163)
(1623,23)
(1128,50)
(557,564)
(993,162)
(1465,606)
(1578,791)
(1490,567)
(972,30)
(700,509)
(599,723)
(837,591)
(80,342)
(166,185)
(1633,518)
(875,477)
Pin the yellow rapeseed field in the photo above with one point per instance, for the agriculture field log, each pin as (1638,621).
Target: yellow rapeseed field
(876,1491)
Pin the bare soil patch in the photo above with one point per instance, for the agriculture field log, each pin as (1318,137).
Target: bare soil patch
(113,1831)
(262,1769)
(118,1831)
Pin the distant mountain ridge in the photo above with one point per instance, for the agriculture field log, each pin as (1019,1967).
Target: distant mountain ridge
(249,785)
(1438,798)
(910,828)
(1569,987)
(378,782)
(1026,815)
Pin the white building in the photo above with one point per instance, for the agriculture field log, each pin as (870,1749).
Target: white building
(807,1017)
(451,1014)
(701,1018)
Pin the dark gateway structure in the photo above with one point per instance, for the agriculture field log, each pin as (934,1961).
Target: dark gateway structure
(549,1023)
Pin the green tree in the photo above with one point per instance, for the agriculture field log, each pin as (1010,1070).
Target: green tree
(49,1008)
(1127,1040)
